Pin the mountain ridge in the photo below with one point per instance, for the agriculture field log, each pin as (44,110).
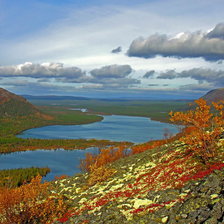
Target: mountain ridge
(14,105)
(214,95)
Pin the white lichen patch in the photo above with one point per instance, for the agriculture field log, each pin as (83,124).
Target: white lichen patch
(165,219)
(83,200)
(213,196)
(150,164)
(141,202)
(116,187)
(78,190)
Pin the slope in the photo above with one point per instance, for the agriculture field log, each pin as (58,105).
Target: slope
(214,95)
(13,105)
(162,185)
(17,114)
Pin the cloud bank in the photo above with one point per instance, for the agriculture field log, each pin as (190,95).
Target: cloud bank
(112,71)
(209,45)
(200,74)
(44,70)
(111,76)
(114,76)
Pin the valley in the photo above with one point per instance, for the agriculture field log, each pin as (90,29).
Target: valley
(166,166)
(111,112)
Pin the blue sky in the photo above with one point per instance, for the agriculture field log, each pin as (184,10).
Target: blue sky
(168,49)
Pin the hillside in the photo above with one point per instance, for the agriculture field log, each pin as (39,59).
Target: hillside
(181,181)
(17,114)
(214,95)
(162,185)
(177,180)
(12,105)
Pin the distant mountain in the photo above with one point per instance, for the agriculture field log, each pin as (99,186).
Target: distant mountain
(14,105)
(214,95)
(117,99)
(53,97)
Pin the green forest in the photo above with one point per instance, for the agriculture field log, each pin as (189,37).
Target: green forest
(16,177)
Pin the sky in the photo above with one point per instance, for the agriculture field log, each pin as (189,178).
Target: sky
(149,49)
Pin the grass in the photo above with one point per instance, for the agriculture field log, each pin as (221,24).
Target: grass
(14,144)
(52,116)
(156,110)
(16,177)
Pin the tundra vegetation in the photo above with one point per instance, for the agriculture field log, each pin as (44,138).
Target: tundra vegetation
(174,180)
(16,177)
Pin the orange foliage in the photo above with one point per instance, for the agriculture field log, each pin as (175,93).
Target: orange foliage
(64,176)
(106,156)
(146,146)
(203,128)
(99,174)
(30,203)
(201,133)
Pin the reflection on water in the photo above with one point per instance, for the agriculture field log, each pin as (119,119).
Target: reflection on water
(115,128)
(59,161)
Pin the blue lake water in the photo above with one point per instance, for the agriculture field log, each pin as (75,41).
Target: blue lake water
(115,128)
(59,161)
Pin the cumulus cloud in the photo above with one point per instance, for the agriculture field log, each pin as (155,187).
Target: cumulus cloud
(112,71)
(45,70)
(209,45)
(199,74)
(149,74)
(112,76)
(217,32)
(116,50)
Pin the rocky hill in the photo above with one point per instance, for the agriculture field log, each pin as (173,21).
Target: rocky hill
(214,95)
(162,185)
(12,105)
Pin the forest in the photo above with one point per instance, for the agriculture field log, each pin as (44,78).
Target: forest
(12,178)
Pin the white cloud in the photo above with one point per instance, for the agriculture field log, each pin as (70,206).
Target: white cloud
(197,44)
(94,31)
(215,77)
(44,70)
(112,71)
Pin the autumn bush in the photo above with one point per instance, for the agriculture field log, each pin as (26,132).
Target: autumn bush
(30,203)
(204,127)
(108,155)
(62,177)
(149,145)
(99,174)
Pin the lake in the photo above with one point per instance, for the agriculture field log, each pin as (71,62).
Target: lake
(59,161)
(115,128)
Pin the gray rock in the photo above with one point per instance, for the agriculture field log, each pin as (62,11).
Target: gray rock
(211,221)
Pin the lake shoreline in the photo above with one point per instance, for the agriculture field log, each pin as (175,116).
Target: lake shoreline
(116,128)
